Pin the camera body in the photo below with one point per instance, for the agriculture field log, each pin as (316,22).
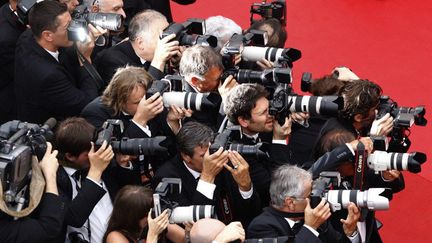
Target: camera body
(270,78)
(227,139)
(404,118)
(81,17)
(170,187)
(189,33)
(19,141)
(275,9)
(112,131)
(324,187)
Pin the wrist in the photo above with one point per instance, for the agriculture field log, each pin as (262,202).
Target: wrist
(207,178)
(94,174)
(140,121)
(352,234)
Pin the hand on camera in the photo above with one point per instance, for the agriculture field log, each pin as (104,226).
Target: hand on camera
(156,225)
(382,126)
(390,175)
(213,164)
(165,49)
(366,141)
(86,47)
(175,114)
(123,160)
(49,163)
(265,64)
(239,171)
(317,216)
(148,109)
(99,160)
(233,231)
(344,74)
(350,223)
(282,132)
(226,87)
(300,117)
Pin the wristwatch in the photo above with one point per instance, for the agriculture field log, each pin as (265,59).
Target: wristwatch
(354,234)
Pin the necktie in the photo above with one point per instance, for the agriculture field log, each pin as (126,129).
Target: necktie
(297,226)
(77,178)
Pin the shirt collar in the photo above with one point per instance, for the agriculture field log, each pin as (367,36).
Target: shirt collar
(53,54)
(70,171)
(195,174)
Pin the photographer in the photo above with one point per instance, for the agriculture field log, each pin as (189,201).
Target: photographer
(252,114)
(87,180)
(143,49)
(204,179)
(52,92)
(45,223)
(387,179)
(290,213)
(201,68)
(143,117)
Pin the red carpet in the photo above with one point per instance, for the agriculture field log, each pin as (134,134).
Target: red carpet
(386,41)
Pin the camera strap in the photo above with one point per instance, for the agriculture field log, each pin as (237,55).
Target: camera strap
(359,167)
(90,69)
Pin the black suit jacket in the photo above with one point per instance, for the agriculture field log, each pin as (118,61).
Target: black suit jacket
(108,60)
(272,223)
(78,209)
(10,30)
(42,225)
(239,209)
(43,86)
(261,169)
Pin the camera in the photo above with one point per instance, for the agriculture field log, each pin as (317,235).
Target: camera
(404,118)
(284,102)
(383,161)
(81,17)
(229,135)
(322,187)
(306,82)
(22,9)
(190,33)
(170,187)
(77,237)
(19,141)
(169,89)
(279,56)
(112,130)
(268,78)
(275,9)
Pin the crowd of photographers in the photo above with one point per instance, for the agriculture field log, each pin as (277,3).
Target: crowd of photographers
(186,132)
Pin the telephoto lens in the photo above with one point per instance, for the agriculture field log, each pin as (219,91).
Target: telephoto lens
(383,161)
(191,213)
(139,146)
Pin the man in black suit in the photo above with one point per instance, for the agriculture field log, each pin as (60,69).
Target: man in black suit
(143,49)
(290,213)
(387,179)
(44,88)
(204,179)
(10,30)
(247,106)
(85,177)
(143,117)
(45,222)
(202,69)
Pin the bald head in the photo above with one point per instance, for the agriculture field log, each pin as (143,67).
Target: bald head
(206,230)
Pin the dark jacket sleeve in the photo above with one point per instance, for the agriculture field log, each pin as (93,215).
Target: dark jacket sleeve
(78,210)
(41,229)
(63,98)
(331,160)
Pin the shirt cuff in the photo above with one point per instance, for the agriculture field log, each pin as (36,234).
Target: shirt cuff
(384,179)
(248,194)
(279,141)
(97,183)
(312,230)
(351,149)
(129,166)
(205,188)
(355,238)
(145,129)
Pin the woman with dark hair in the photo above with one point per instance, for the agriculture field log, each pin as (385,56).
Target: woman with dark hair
(132,214)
